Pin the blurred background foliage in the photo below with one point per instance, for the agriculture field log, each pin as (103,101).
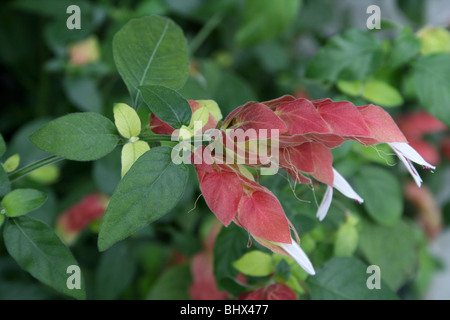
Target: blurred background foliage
(243,50)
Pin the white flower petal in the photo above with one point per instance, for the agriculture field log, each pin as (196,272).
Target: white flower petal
(325,204)
(299,255)
(410,168)
(410,153)
(406,153)
(344,187)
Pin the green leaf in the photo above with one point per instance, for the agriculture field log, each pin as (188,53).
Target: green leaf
(392,248)
(432,80)
(12,163)
(150,189)
(173,284)
(131,152)
(230,245)
(77,136)
(45,175)
(126,120)
(352,88)
(255,263)
(83,93)
(346,241)
(38,250)
(5,185)
(382,194)
(21,201)
(265,20)
(345,279)
(405,47)
(380,153)
(167,104)
(353,55)
(151,51)
(106,172)
(434,40)
(114,272)
(2,218)
(382,93)
(2,145)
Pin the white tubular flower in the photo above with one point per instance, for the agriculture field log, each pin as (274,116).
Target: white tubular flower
(407,154)
(294,250)
(339,183)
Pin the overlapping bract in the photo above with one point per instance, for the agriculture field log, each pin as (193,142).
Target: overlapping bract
(305,131)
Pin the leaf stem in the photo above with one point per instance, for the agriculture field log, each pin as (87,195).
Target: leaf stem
(20,173)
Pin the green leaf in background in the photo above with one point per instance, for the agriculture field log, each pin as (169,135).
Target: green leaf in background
(354,55)
(382,94)
(432,82)
(2,145)
(151,51)
(21,201)
(2,218)
(376,91)
(265,20)
(5,185)
(114,272)
(352,88)
(106,172)
(12,163)
(392,248)
(77,136)
(83,93)
(167,104)
(434,40)
(346,241)
(220,84)
(126,120)
(255,263)
(230,245)
(405,47)
(38,250)
(382,194)
(173,284)
(380,153)
(45,175)
(151,188)
(345,279)
(131,152)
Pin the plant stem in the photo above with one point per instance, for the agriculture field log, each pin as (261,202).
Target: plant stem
(157,138)
(205,32)
(20,173)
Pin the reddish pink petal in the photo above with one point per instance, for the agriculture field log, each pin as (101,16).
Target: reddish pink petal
(323,163)
(416,124)
(222,191)
(300,117)
(204,285)
(230,119)
(381,125)
(319,102)
(343,118)
(272,104)
(260,117)
(261,214)
(276,291)
(160,127)
(330,140)
(298,157)
(280,291)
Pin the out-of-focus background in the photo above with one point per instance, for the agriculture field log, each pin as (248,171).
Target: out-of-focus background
(240,50)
